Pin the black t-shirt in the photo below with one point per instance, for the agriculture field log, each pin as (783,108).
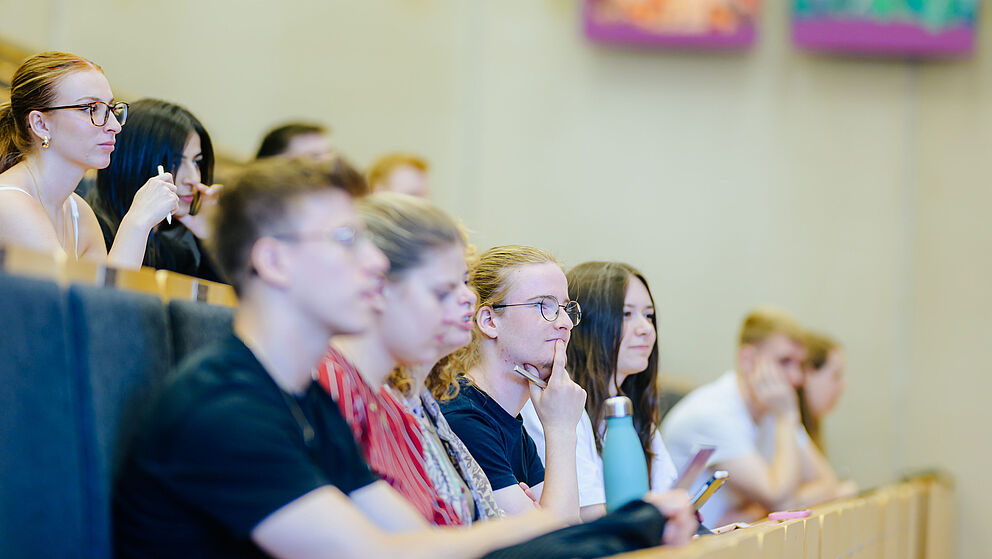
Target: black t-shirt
(496,439)
(221,449)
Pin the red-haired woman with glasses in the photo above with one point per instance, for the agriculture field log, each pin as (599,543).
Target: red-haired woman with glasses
(61,121)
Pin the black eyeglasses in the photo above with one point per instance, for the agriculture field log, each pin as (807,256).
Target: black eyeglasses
(347,236)
(99,111)
(550,307)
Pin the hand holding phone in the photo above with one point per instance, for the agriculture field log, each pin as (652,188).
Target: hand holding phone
(711,487)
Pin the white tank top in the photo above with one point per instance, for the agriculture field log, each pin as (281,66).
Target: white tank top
(74,211)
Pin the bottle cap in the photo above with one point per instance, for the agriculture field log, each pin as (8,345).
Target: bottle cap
(619,406)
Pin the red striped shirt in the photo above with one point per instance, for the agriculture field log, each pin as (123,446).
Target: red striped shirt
(388,435)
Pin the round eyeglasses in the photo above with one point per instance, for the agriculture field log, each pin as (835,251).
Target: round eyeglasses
(550,307)
(99,111)
(346,236)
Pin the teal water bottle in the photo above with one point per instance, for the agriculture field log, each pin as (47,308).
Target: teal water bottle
(625,472)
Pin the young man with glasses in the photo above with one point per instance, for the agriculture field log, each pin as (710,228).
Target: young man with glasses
(524,321)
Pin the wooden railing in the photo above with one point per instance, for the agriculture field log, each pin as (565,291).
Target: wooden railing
(912,519)
(62,270)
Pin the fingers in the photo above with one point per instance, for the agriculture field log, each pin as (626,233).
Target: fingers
(210,192)
(527,491)
(682,522)
(679,529)
(535,392)
(558,365)
(167,177)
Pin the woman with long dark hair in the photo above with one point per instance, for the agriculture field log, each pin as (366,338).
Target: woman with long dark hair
(614,351)
(163,134)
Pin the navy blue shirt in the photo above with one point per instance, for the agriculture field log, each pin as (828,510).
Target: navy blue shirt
(496,439)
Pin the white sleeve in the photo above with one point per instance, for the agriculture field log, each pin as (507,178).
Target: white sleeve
(663,471)
(588,464)
(686,430)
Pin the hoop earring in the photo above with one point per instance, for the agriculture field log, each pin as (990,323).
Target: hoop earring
(45,142)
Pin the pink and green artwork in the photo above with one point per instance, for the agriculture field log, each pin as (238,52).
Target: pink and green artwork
(901,27)
(726,24)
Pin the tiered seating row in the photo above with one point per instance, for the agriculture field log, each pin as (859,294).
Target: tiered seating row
(77,365)
(165,284)
(79,358)
(912,519)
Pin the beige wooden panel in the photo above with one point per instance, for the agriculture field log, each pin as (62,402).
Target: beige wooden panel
(748,545)
(811,527)
(916,522)
(142,281)
(179,286)
(220,294)
(23,262)
(831,535)
(898,539)
(692,551)
(870,529)
(940,520)
(773,543)
(795,539)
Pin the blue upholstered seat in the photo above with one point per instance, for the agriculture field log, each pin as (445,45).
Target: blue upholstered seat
(42,496)
(124,340)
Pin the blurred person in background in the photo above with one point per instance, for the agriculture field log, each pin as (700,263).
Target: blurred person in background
(751,416)
(296,139)
(400,172)
(823,383)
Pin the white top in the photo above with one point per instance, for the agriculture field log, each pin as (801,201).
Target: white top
(715,415)
(588,462)
(74,210)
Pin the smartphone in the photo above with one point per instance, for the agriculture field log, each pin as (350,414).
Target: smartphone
(715,482)
(694,468)
(534,379)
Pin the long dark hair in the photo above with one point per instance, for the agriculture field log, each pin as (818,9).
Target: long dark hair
(600,287)
(155,134)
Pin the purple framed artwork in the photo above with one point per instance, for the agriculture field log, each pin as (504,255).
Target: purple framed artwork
(720,24)
(897,27)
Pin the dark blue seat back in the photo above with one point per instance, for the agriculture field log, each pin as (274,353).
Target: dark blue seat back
(195,325)
(42,497)
(124,339)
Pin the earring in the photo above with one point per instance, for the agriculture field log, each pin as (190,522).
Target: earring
(45,142)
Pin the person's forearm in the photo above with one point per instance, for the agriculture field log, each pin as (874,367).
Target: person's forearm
(784,471)
(561,486)
(589,513)
(128,250)
(815,493)
(464,543)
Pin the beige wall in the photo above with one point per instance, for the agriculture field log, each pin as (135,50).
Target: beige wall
(848,191)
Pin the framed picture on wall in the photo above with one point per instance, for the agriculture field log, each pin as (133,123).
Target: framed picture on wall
(721,24)
(896,27)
